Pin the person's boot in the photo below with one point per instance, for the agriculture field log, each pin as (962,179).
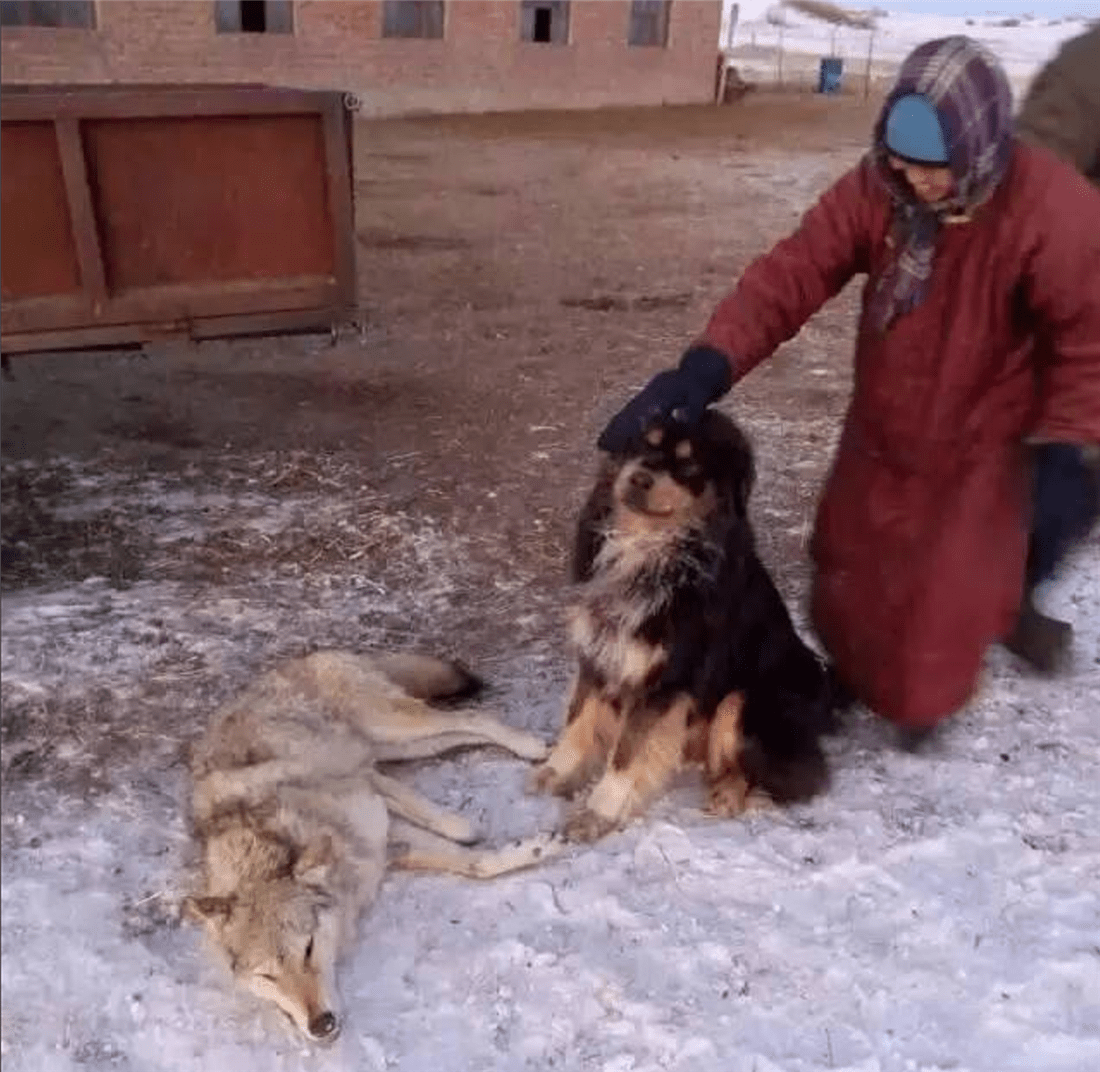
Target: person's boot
(1043,643)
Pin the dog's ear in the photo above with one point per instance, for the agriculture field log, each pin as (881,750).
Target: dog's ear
(738,478)
(592,523)
(316,859)
(731,455)
(745,481)
(211,910)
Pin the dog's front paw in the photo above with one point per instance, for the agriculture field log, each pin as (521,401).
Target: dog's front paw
(544,779)
(732,795)
(728,796)
(586,826)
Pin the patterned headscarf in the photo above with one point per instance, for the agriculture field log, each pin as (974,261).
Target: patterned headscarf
(973,100)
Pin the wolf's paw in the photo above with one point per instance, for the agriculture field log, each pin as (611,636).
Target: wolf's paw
(586,826)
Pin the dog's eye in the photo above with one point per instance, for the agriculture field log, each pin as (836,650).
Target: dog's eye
(264,975)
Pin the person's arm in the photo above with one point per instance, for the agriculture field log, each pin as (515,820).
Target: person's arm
(1061,286)
(1062,109)
(775,296)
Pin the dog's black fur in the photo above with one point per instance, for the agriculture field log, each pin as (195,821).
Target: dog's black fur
(713,609)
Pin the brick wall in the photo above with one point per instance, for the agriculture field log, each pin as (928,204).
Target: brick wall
(480,65)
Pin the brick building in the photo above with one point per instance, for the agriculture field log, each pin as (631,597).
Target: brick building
(398,56)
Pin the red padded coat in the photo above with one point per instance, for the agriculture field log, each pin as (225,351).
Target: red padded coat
(921,531)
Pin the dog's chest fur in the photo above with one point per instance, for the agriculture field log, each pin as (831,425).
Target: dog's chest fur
(620,621)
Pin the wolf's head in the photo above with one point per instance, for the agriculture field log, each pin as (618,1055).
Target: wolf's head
(280,934)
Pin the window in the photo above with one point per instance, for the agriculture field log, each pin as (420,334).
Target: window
(649,22)
(412,18)
(75,14)
(254,16)
(545,22)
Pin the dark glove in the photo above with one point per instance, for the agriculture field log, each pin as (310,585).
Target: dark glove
(680,394)
(1065,505)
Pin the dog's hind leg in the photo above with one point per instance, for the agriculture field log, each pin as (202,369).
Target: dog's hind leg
(414,849)
(729,791)
(416,809)
(592,728)
(641,766)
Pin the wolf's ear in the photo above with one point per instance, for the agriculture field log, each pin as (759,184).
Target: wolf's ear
(316,858)
(212,910)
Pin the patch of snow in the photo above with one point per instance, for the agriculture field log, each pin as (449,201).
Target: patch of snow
(1023,45)
(932,911)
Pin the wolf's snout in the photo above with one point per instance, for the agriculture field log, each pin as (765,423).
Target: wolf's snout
(324,1026)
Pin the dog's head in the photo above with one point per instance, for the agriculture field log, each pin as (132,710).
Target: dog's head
(280,935)
(673,479)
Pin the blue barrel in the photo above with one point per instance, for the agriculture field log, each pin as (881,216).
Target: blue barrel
(830,75)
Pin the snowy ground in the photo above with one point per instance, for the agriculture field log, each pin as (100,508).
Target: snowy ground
(934,911)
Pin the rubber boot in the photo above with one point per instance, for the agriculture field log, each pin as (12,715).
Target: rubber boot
(1043,643)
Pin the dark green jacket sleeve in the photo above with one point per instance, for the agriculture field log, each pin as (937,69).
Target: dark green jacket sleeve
(1062,109)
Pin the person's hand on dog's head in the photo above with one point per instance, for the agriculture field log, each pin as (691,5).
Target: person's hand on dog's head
(679,395)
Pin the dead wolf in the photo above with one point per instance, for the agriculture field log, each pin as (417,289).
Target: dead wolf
(297,825)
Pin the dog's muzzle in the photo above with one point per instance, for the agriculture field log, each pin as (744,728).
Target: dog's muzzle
(636,493)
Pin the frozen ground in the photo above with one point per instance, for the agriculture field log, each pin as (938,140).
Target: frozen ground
(934,911)
(178,521)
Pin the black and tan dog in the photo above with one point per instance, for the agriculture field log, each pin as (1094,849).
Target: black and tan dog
(685,649)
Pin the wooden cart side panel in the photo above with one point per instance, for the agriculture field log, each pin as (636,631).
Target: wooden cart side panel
(38,254)
(30,102)
(199,211)
(340,166)
(215,198)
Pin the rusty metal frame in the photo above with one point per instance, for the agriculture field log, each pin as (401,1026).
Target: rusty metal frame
(95,317)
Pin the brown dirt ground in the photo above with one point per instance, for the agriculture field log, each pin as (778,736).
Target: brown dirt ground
(521,275)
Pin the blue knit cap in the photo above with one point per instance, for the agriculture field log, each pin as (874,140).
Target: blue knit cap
(914,133)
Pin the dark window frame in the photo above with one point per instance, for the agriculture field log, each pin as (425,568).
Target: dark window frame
(49,14)
(544,22)
(648,24)
(233,17)
(415,20)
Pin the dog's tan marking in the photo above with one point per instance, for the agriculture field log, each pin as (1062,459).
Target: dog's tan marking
(655,436)
(727,795)
(731,796)
(725,740)
(582,748)
(683,449)
(620,655)
(623,792)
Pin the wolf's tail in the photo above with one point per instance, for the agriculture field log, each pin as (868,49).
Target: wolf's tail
(429,678)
